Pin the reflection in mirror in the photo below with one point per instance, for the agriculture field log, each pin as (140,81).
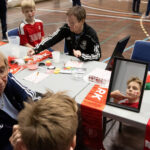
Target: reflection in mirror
(127,84)
(132,95)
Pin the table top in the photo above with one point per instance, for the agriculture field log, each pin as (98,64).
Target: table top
(54,82)
(59,82)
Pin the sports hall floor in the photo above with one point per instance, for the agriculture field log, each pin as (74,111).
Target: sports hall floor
(113,20)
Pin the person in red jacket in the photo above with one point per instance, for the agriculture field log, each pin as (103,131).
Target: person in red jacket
(133,92)
(31,30)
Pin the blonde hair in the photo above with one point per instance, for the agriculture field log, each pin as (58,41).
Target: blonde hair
(50,123)
(137,80)
(27,4)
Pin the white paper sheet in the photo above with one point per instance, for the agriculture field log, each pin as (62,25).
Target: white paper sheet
(36,77)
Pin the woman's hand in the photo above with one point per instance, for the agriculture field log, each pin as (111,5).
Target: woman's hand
(77,53)
(30,52)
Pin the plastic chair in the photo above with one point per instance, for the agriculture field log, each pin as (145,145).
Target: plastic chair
(141,52)
(13,36)
(13,32)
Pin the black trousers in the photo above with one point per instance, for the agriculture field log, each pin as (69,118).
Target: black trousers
(3,18)
(136,5)
(148,8)
(76,2)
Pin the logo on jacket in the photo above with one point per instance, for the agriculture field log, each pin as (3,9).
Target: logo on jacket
(1,126)
(39,27)
(83,44)
(68,38)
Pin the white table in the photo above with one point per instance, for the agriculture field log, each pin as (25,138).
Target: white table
(54,82)
(59,82)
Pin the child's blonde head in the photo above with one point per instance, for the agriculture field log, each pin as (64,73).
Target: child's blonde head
(50,123)
(137,80)
(27,4)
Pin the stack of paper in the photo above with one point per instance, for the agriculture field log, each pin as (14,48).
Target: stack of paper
(99,76)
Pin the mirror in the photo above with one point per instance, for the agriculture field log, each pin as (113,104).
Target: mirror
(127,84)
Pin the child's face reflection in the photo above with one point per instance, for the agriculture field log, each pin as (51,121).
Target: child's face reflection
(133,90)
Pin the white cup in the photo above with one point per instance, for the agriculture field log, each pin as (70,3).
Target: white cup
(14,40)
(56,56)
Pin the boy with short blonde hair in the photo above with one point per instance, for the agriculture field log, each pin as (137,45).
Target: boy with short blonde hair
(48,124)
(30,30)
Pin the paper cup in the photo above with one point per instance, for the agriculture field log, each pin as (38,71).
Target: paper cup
(56,56)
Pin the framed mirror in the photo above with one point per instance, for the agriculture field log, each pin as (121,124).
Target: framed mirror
(127,84)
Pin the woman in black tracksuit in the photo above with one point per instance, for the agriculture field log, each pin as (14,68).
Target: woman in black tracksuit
(81,40)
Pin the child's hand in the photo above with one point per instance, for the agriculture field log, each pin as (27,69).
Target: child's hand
(15,138)
(117,95)
(30,52)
